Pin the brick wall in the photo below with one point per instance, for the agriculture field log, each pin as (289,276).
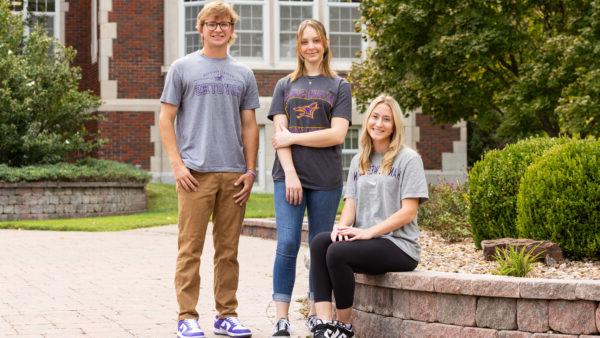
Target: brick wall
(78,33)
(128,135)
(138,49)
(266,81)
(434,140)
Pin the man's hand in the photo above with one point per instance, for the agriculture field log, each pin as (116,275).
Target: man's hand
(184,179)
(282,137)
(247,181)
(293,189)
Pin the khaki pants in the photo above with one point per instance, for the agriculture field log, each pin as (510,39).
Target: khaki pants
(214,196)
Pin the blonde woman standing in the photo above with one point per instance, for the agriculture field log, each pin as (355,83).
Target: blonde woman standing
(311,111)
(377,231)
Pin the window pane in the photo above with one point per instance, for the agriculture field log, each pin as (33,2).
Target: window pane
(249,40)
(349,149)
(16,5)
(345,41)
(290,18)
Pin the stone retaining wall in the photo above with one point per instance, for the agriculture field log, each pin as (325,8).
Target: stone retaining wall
(40,200)
(436,304)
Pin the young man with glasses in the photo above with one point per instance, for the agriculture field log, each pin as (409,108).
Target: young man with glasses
(212,148)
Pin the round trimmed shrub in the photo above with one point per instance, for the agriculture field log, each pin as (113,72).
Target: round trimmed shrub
(494,184)
(559,198)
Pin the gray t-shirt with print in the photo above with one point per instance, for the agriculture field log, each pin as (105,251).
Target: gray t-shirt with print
(310,102)
(379,196)
(210,94)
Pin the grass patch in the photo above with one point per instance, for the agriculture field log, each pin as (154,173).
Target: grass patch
(162,210)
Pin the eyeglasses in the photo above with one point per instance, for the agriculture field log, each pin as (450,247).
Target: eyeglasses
(225,26)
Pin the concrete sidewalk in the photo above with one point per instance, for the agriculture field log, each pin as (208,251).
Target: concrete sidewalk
(120,284)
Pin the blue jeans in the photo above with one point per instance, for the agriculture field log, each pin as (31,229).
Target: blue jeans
(321,207)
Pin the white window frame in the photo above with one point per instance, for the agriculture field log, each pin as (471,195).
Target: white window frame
(57,15)
(271,60)
(252,62)
(339,62)
(289,63)
(94,35)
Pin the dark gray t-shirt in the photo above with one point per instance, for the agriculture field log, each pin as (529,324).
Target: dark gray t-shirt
(379,196)
(210,94)
(310,103)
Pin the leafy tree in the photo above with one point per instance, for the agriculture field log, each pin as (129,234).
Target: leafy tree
(42,113)
(510,68)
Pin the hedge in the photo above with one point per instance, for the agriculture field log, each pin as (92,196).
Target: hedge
(87,170)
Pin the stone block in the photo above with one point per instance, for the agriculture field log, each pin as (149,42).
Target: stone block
(513,334)
(532,315)
(410,329)
(460,284)
(382,301)
(547,289)
(401,304)
(476,332)
(456,309)
(419,280)
(422,306)
(495,286)
(588,290)
(383,327)
(573,317)
(443,330)
(598,317)
(363,299)
(9,209)
(497,313)
(553,335)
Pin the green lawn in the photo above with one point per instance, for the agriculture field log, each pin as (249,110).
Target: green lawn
(162,209)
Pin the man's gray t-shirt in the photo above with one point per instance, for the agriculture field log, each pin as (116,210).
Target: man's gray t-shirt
(310,103)
(210,94)
(379,196)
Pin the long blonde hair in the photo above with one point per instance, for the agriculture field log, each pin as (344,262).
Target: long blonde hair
(396,142)
(327,55)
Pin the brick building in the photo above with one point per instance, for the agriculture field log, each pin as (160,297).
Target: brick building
(124,49)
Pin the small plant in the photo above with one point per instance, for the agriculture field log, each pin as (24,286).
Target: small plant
(515,263)
(446,212)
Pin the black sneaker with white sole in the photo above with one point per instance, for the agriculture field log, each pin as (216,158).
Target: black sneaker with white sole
(282,328)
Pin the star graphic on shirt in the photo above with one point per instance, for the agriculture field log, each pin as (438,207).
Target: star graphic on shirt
(307,111)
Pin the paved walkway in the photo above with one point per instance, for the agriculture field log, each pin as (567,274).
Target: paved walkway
(120,284)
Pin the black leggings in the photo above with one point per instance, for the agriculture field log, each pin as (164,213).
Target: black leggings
(333,264)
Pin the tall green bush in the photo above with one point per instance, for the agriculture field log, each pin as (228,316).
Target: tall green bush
(559,198)
(42,112)
(493,187)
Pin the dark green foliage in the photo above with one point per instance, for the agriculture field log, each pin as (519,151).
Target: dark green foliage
(446,211)
(559,198)
(529,67)
(84,170)
(494,184)
(42,113)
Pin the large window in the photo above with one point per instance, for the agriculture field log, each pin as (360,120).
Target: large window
(291,14)
(349,149)
(34,12)
(249,29)
(345,41)
(266,33)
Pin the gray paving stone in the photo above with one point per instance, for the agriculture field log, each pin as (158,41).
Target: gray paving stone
(120,284)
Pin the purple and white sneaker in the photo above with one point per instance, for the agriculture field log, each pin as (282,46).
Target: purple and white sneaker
(189,328)
(231,326)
